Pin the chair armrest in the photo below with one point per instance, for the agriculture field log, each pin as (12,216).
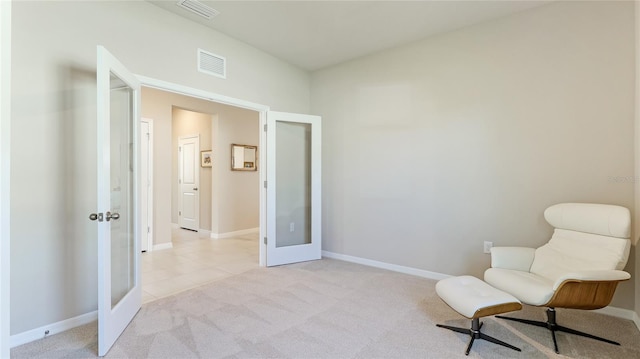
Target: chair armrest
(515,258)
(593,275)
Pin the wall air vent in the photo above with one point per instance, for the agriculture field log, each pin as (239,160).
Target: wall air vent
(212,64)
(199,8)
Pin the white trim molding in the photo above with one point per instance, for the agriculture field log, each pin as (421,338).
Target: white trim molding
(621,313)
(151,231)
(392,267)
(636,184)
(235,233)
(51,329)
(5,176)
(205,95)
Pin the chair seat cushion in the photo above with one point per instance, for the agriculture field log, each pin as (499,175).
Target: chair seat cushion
(527,287)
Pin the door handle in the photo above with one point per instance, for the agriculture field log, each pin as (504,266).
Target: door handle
(195,188)
(111,216)
(96,216)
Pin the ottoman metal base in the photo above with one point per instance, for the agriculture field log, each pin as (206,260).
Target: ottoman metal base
(475,299)
(475,333)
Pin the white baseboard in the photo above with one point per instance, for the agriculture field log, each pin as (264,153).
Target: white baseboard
(55,328)
(611,311)
(234,234)
(383,265)
(157,247)
(621,313)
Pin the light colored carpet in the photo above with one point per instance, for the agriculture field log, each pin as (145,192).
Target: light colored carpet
(328,309)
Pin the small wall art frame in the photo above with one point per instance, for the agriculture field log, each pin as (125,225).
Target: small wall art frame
(206,158)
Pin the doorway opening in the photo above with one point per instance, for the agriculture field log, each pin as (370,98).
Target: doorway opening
(224,242)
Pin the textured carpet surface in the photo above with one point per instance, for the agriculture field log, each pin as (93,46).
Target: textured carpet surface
(329,309)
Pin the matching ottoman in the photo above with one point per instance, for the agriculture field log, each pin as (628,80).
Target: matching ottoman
(475,299)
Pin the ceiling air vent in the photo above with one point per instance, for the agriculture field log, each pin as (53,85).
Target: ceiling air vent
(198,8)
(212,64)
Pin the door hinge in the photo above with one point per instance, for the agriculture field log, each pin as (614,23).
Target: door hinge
(265,240)
(265,184)
(179,181)
(179,213)
(179,149)
(148,229)
(265,127)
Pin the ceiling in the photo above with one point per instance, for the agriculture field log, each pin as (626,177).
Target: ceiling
(317,34)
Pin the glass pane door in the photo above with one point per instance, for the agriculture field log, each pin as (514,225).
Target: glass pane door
(119,289)
(293,184)
(122,227)
(294,188)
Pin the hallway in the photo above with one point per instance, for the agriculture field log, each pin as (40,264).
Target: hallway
(194,261)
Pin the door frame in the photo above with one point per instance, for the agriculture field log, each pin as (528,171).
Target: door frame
(226,100)
(149,219)
(5,171)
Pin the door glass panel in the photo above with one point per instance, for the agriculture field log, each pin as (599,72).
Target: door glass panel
(293,184)
(122,229)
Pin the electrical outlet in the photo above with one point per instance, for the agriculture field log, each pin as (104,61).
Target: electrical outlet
(292,227)
(487,247)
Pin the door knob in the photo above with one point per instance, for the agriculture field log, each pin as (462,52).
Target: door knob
(96,216)
(195,188)
(111,216)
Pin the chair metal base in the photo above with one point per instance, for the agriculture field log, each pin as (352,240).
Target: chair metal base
(475,333)
(553,327)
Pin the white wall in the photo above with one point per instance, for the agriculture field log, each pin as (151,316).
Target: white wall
(53,174)
(237,193)
(503,119)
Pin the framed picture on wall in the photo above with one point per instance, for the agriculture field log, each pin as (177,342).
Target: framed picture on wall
(206,158)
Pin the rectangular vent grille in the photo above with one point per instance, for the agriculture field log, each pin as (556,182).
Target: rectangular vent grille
(212,64)
(199,8)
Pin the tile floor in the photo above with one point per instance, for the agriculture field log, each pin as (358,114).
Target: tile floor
(194,261)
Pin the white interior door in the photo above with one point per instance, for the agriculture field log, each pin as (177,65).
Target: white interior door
(146,185)
(189,182)
(293,188)
(119,289)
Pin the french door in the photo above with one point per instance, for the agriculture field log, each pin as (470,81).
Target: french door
(293,195)
(293,188)
(119,286)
